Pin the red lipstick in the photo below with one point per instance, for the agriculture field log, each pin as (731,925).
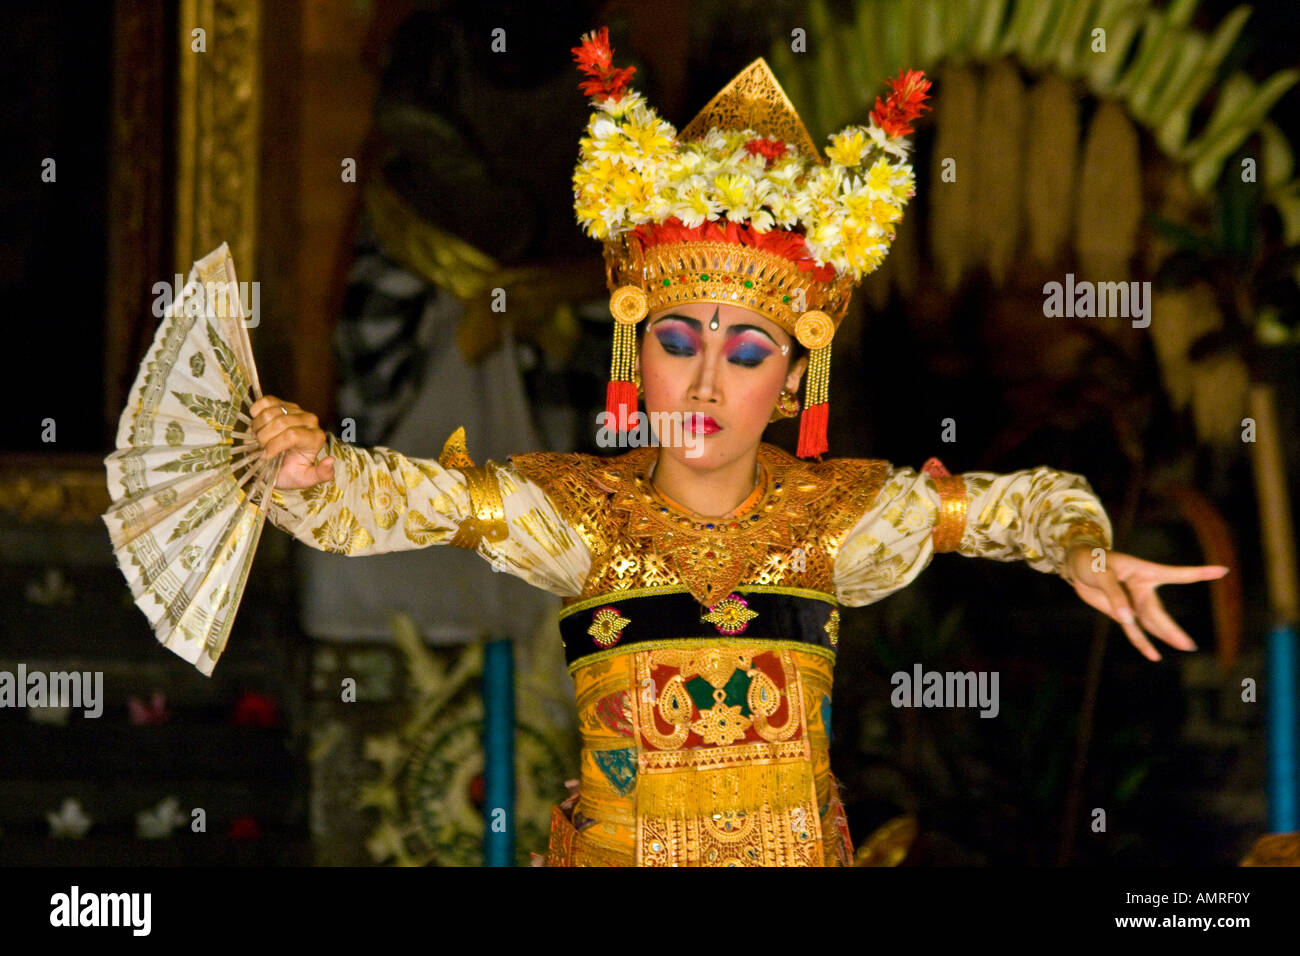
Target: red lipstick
(702,424)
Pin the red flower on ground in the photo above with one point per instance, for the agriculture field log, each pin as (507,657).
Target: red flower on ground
(244,828)
(150,713)
(904,104)
(595,57)
(254,710)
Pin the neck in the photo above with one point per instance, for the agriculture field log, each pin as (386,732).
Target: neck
(710,494)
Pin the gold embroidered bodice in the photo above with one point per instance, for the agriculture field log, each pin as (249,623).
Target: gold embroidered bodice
(702,650)
(639,539)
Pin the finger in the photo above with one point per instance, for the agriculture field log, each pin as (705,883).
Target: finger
(1187,575)
(308,440)
(274,413)
(1093,597)
(1102,603)
(277,421)
(1168,573)
(1156,619)
(325,470)
(1122,611)
(268,406)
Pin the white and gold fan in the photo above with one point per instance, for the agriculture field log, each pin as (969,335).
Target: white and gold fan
(188,482)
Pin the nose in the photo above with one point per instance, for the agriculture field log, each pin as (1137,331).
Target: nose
(704,387)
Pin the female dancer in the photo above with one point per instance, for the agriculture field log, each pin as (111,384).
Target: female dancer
(702,575)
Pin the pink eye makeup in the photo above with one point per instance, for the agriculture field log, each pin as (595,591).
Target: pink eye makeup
(677,334)
(746,351)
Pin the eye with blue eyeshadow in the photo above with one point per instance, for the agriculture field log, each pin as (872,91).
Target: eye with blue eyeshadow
(748,354)
(749,358)
(678,341)
(675,343)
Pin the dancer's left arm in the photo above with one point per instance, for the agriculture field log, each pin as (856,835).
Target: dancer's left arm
(1054,521)
(1050,519)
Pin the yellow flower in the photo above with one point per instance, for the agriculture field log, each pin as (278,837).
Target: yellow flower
(880,178)
(855,244)
(695,206)
(735,193)
(630,189)
(847,147)
(651,138)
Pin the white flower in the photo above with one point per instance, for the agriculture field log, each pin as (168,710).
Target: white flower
(629,100)
(714,140)
(881,140)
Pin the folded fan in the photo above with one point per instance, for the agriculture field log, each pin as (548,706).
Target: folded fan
(188,482)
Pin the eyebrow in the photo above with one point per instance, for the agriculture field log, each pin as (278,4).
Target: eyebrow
(732,330)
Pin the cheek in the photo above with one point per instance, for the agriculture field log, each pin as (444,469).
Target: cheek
(754,393)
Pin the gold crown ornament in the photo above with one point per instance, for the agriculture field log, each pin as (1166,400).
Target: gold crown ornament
(738,208)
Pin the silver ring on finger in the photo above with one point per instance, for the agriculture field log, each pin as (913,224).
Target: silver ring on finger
(283,409)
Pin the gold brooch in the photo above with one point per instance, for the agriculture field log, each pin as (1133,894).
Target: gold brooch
(731,615)
(721,724)
(606,626)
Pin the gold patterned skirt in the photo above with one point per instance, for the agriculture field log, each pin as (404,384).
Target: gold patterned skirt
(703,752)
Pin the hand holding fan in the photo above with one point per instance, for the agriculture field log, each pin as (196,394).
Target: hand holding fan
(188,482)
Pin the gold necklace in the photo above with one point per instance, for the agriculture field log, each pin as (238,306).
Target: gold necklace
(758,480)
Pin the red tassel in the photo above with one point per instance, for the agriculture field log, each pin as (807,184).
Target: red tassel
(812,430)
(620,402)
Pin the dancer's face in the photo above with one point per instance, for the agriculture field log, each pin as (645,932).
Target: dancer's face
(733,374)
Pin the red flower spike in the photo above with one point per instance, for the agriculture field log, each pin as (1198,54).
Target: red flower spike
(905,103)
(595,57)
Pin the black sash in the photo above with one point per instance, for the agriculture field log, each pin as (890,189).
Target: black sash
(658,617)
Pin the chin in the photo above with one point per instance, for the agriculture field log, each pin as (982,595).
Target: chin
(711,452)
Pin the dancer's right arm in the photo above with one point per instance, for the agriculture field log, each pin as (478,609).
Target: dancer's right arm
(355,501)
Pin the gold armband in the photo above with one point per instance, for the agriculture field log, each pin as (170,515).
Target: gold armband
(950,527)
(489,517)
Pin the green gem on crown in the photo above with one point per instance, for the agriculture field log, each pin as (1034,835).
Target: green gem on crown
(704,277)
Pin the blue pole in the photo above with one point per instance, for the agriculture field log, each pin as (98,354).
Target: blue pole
(499,753)
(1283,807)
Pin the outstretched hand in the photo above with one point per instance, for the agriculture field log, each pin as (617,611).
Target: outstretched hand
(1124,588)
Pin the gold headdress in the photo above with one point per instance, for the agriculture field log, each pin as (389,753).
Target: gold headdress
(738,208)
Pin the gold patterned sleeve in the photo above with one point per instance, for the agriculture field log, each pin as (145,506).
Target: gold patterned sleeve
(380,501)
(1032,515)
